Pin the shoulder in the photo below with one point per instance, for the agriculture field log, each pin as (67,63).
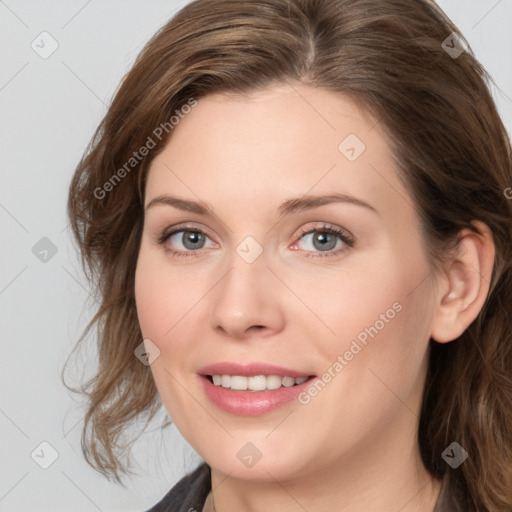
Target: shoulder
(189,494)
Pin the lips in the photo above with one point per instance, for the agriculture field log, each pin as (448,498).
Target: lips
(248,402)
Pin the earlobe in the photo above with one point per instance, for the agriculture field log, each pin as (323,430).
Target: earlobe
(465,284)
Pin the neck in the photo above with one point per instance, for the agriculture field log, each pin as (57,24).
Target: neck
(418,497)
(370,479)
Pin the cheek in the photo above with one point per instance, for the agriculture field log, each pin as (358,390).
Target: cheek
(161,301)
(383,351)
(150,302)
(163,296)
(156,299)
(379,315)
(373,368)
(354,306)
(168,302)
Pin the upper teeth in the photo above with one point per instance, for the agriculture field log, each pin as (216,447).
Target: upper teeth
(256,383)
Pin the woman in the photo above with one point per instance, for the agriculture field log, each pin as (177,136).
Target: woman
(295,214)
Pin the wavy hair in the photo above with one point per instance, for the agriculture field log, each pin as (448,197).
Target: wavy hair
(452,152)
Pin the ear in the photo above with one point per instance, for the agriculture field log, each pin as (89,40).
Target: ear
(463,284)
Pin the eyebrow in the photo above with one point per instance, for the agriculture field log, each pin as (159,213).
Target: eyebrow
(306,202)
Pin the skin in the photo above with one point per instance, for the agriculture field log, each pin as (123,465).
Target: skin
(353,447)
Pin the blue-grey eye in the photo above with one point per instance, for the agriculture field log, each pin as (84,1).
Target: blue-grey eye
(189,240)
(321,241)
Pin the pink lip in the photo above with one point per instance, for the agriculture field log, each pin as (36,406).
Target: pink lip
(250,370)
(250,403)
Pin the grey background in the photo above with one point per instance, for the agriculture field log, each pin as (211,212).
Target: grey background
(49,109)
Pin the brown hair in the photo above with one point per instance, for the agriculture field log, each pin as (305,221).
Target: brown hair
(452,152)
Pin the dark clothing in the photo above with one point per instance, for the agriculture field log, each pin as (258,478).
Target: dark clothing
(189,494)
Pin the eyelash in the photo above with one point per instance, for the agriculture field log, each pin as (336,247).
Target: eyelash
(326,228)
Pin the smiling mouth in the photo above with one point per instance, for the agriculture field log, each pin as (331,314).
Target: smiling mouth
(256,382)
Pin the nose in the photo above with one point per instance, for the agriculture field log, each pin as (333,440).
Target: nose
(246,302)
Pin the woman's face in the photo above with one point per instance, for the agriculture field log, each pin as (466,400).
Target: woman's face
(267,272)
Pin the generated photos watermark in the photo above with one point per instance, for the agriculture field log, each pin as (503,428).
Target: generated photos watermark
(356,347)
(144,150)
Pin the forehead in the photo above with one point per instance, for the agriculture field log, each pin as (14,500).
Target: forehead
(280,142)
